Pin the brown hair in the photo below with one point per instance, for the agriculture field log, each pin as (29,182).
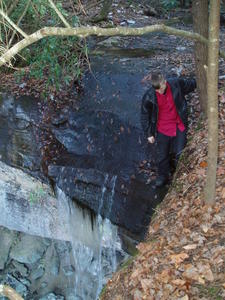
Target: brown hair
(156,79)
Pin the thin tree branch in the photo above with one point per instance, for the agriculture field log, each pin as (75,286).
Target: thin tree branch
(13,24)
(12,6)
(94,30)
(59,14)
(20,19)
(4,24)
(82,7)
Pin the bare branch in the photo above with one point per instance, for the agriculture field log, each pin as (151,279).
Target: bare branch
(20,19)
(12,6)
(59,14)
(94,30)
(13,24)
(82,7)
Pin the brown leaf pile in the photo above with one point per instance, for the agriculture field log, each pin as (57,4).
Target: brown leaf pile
(184,253)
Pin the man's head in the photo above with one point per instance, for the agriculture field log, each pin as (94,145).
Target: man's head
(158,82)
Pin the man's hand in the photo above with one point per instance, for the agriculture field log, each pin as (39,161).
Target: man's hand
(151,139)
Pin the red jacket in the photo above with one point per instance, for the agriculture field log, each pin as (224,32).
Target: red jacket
(168,118)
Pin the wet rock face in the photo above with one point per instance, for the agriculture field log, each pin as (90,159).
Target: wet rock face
(17,130)
(127,203)
(111,144)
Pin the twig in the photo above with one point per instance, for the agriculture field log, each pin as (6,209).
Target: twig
(13,24)
(82,7)
(94,4)
(18,23)
(12,6)
(187,189)
(59,14)
(35,9)
(4,24)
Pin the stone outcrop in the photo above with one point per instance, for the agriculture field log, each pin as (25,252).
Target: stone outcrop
(29,205)
(34,267)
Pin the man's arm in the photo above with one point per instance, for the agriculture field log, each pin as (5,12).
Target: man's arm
(187,85)
(146,110)
(145,113)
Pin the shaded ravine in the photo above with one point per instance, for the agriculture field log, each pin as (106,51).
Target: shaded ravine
(99,136)
(96,149)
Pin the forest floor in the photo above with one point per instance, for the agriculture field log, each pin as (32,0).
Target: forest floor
(183,256)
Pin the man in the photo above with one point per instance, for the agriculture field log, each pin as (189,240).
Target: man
(164,119)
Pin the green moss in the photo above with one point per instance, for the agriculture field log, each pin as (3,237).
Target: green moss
(102,292)
(156,210)
(127,263)
(37,196)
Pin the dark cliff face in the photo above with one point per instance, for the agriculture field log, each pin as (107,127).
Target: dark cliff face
(18,121)
(92,150)
(102,146)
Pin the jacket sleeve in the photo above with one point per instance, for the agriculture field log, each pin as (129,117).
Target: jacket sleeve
(146,110)
(187,85)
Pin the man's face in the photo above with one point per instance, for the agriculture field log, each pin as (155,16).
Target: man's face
(162,87)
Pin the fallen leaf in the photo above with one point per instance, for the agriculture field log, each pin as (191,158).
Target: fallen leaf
(203,164)
(135,274)
(190,247)
(184,298)
(179,282)
(201,280)
(220,171)
(121,129)
(205,271)
(191,273)
(119,297)
(200,172)
(205,227)
(145,284)
(137,295)
(164,276)
(179,258)
(223,193)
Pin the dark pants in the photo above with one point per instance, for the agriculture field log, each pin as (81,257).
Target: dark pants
(168,146)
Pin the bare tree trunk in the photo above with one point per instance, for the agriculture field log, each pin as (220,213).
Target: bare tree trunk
(200,23)
(213,61)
